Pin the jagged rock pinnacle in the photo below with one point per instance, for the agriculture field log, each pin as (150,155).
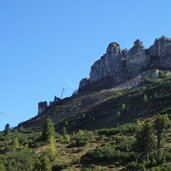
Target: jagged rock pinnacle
(138,43)
(113,48)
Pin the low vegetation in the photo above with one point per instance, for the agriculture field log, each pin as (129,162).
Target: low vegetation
(133,146)
(137,137)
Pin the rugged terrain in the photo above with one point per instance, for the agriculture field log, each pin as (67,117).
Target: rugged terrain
(116,79)
(110,124)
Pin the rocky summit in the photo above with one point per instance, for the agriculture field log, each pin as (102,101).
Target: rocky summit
(119,65)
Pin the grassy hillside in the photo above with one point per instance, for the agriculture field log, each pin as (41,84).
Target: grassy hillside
(106,108)
(111,130)
(150,98)
(111,149)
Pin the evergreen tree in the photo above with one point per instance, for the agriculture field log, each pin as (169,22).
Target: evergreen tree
(52,145)
(15,143)
(145,141)
(7,129)
(160,124)
(65,135)
(48,130)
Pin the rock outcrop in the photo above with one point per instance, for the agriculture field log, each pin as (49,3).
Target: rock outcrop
(42,106)
(118,65)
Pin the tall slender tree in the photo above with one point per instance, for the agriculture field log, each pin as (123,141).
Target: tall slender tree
(160,124)
(7,129)
(145,141)
(52,145)
(48,130)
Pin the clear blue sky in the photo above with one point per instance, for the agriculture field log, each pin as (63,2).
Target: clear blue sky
(43,43)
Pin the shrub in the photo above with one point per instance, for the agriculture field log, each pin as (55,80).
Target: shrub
(2,166)
(20,160)
(82,138)
(91,169)
(45,165)
(165,167)
(167,156)
(107,154)
(162,74)
(36,144)
(134,166)
(125,128)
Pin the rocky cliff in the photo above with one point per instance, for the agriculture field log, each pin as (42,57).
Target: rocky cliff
(119,77)
(118,65)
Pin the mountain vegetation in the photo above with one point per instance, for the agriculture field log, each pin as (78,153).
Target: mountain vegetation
(137,138)
(117,120)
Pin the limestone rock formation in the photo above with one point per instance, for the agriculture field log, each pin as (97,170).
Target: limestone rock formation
(119,65)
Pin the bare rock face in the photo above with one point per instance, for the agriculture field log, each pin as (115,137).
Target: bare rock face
(42,106)
(152,74)
(160,53)
(55,101)
(84,83)
(108,64)
(136,56)
(160,46)
(121,65)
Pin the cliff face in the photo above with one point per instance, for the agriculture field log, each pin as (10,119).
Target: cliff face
(120,64)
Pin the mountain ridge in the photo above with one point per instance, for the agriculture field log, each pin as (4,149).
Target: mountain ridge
(97,94)
(119,65)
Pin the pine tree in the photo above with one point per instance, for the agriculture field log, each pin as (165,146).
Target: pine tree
(15,144)
(145,141)
(48,130)
(52,145)
(65,135)
(7,129)
(160,124)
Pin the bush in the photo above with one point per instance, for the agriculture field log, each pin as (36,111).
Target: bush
(2,166)
(59,167)
(20,160)
(125,128)
(167,156)
(165,167)
(107,154)
(82,138)
(134,166)
(36,144)
(45,165)
(162,74)
(91,169)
